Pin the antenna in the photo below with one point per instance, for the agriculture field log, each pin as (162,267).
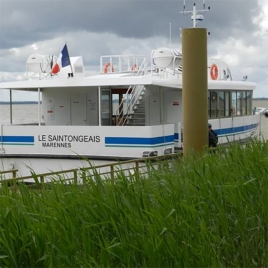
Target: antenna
(197,15)
(170,33)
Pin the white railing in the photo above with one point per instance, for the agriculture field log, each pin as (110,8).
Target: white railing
(132,96)
(121,63)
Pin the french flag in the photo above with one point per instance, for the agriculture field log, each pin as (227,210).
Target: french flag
(63,60)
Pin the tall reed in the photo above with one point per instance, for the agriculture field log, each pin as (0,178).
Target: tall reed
(199,212)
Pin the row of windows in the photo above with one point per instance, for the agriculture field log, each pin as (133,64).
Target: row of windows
(227,103)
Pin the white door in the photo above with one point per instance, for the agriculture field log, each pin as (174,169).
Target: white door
(172,107)
(79,110)
(154,110)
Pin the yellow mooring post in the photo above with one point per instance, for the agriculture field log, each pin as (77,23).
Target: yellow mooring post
(194,90)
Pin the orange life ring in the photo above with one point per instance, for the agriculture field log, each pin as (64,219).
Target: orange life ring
(214,71)
(106,67)
(134,67)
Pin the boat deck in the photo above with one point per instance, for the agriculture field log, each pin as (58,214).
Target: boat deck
(264,128)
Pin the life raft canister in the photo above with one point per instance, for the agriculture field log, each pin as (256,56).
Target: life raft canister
(107,66)
(214,71)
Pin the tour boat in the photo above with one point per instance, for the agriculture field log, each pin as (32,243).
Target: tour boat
(78,122)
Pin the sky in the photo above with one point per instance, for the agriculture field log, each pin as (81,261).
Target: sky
(92,28)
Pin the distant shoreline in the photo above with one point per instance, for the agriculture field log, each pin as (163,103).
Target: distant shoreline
(36,102)
(19,102)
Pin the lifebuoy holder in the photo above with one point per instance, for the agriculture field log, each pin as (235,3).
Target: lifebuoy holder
(214,71)
(107,66)
(134,67)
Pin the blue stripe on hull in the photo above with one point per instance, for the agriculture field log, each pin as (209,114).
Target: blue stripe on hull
(235,130)
(228,131)
(139,142)
(133,141)
(17,140)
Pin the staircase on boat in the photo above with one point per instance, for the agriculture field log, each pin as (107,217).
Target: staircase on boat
(167,63)
(135,111)
(134,102)
(137,117)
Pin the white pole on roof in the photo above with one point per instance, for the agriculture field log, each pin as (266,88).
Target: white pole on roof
(69,59)
(194,16)
(170,34)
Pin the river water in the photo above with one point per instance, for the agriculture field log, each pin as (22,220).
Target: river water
(21,114)
(28,114)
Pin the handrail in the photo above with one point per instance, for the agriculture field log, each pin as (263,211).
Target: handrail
(13,180)
(132,96)
(105,170)
(120,63)
(13,171)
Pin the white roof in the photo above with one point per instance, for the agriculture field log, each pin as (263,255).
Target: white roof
(92,81)
(118,80)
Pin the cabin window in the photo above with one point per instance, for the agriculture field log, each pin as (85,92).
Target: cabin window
(243,103)
(238,103)
(249,102)
(209,115)
(233,108)
(221,104)
(106,111)
(213,104)
(227,104)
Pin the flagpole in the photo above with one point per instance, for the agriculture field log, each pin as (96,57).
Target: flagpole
(69,59)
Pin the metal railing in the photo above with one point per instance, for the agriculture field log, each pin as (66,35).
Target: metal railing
(79,176)
(12,172)
(132,97)
(121,63)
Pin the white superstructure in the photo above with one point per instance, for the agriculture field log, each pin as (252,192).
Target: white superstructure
(76,119)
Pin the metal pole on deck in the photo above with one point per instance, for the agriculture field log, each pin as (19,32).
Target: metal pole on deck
(10,105)
(39,110)
(99,97)
(194,90)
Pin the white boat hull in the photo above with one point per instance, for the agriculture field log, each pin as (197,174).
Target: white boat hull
(47,148)
(77,123)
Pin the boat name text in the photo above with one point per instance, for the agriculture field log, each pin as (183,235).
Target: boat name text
(65,140)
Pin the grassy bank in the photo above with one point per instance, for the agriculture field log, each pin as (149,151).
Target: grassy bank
(208,212)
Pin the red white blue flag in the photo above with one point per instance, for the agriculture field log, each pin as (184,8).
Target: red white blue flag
(63,60)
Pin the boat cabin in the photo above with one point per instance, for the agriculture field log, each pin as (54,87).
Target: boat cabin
(129,90)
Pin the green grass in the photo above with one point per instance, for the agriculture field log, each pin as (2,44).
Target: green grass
(201,212)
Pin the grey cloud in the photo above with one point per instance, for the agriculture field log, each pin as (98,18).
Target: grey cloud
(96,27)
(27,21)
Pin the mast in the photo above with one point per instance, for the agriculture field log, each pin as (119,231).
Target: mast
(197,15)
